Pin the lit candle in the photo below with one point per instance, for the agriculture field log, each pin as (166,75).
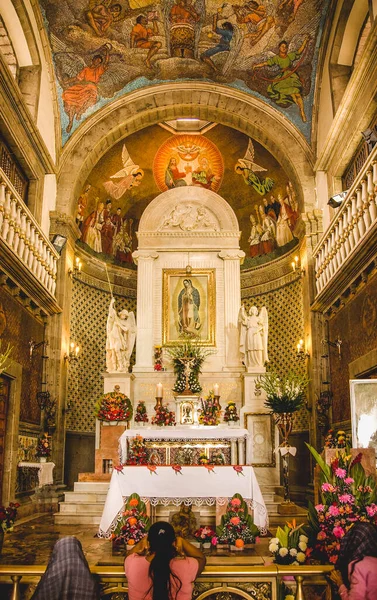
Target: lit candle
(77,350)
(159,390)
(216,389)
(293,265)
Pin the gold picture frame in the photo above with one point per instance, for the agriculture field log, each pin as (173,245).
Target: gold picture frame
(188,306)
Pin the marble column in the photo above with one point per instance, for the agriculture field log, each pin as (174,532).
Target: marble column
(241,451)
(233,452)
(145,300)
(232,302)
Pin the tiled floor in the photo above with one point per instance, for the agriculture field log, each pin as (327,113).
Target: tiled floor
(32,540)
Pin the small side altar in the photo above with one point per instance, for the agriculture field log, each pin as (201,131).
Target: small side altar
(184,445)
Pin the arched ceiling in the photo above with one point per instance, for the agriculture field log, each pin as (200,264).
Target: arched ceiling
(105,49)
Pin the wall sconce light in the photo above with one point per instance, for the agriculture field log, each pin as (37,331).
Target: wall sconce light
(74,352)
(33,345)
(296,266)
(76,271)
(302,354)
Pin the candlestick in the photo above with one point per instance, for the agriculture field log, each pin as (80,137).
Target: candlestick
(216,389)
(158,402)
(159,390)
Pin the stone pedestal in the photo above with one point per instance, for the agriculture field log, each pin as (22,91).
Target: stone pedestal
(107,452)
(123,380)
(186,410)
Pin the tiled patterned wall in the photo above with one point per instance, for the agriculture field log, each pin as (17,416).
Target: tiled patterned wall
(89,312)
(285,328)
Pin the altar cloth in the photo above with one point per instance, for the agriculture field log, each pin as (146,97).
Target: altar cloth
(188,432)
(45,475)
(196,485)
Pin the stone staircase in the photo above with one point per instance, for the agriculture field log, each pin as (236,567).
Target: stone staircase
(84,506)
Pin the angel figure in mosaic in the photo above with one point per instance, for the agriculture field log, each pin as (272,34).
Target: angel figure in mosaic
(247,168)
(253,337)
(120,339)
(129,176)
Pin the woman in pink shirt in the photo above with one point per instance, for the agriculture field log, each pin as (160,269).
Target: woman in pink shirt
(356,576)
(162,567)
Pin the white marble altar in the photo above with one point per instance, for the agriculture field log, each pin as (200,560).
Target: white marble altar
(191,485)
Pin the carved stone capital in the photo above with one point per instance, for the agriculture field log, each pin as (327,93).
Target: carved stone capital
(144,255)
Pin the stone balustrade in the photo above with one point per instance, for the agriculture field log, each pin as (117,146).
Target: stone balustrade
(24,237)
(350,227)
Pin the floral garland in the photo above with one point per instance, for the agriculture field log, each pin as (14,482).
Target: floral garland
(134,522)
(113,406)
(163,417)
(210,412)
(141,415)
(230,413)
(237,526)
(347,495)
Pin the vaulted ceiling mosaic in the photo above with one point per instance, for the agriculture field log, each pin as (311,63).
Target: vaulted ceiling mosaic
(137,169)
(104,49)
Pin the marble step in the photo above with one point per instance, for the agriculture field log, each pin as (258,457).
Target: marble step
(69,519)
(81,508)
(91,486)
(90,497)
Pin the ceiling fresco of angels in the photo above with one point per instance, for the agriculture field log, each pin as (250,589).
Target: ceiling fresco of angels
(103,49)
(223,160)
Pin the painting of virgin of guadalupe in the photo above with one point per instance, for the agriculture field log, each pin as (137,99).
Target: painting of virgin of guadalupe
(188,306)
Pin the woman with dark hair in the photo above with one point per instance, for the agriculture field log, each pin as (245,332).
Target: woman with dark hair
(162,566)
(356,576)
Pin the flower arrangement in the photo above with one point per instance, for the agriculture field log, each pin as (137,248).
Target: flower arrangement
(284,394)
(230,413)
(163,416)
(141,415)
(8,516)
(210,412)
(43,448)
(192,353)
(134,523)
(113,406)
(218,458)
(289,546)
(337,440)
(137,454)
(205,535)
(158,358)
(237,526)
(203,459)
(347,495)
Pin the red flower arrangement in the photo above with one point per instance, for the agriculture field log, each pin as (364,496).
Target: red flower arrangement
(8,516)
(347,496)
(138,452)
(210,412)
(113,406)
(237,526)
(158,358)
(141,413)
(163,417)
(205,535)
(230,412)
(134,523)
(43,446)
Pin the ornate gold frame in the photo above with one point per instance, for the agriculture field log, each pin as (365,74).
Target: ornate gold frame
(209,274)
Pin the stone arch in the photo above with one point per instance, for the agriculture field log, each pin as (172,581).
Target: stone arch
(350,25)
(170,101)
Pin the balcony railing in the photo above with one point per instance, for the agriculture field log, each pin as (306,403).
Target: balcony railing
(217,581)
(351,226)
(23,236)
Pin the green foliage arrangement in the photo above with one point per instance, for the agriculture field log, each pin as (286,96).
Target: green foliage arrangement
(284,394)
(134,523)
(189,349)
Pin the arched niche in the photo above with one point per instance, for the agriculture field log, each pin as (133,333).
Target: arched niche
(156,104)
(188,217)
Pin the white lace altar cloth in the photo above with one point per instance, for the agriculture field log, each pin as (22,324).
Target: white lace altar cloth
(45,475)
(188,432)
(189,485)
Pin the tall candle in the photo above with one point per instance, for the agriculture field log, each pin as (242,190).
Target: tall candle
(216,389)
(159,390)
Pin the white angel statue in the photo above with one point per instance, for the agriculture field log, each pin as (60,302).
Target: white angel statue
(130,176)
(253,337)
(120,340)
